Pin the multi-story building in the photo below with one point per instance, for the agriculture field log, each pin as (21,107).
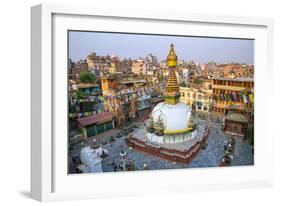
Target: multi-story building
(138,67)
(112,69)
(234,69)
(108,83)
(91,89)
(233,93)
(126,96)
(199,99)
(151,59)
(100,63)
(143,106)
(150,63)
(71,66)
(119,81)
(145,66)
(125,104)
(96,124)
(81,66)
(85,97)
(124,66)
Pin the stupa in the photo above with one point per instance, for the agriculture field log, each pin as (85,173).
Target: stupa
(172,116)
(170,132)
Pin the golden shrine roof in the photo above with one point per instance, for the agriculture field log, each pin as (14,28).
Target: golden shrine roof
(172,82)
(172,57)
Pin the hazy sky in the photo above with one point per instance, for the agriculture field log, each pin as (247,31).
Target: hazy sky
(134,46)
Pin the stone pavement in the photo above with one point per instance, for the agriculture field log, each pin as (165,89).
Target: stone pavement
(210,157)
(242,153)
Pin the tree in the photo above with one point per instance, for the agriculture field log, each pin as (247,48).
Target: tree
(197,81)
(87,77)
(80,95)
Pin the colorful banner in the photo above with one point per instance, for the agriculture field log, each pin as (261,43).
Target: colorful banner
(246,96)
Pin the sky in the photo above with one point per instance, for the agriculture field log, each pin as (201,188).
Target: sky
(199,49)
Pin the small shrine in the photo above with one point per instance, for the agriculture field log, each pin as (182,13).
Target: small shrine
(235,123)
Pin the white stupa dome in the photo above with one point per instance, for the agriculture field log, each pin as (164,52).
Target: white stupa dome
(175,117)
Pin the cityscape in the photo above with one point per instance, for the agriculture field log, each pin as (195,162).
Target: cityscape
(151,102)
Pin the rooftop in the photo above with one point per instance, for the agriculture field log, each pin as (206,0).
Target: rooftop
(95,118)
(87,85)
(238,79)
(237,117)
(129,81)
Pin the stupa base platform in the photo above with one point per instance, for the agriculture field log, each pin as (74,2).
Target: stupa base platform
(182,152)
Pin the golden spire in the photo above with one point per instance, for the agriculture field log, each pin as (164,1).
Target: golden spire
(172,85)
(172,89)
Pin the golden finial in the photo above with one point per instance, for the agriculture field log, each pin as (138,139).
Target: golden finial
(172,57)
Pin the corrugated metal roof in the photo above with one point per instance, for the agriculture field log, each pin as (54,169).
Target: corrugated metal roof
(96,118)
(238,79)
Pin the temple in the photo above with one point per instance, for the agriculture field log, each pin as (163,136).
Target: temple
(170,131)
(171,116)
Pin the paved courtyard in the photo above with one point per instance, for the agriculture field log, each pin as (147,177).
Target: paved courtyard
(210,157)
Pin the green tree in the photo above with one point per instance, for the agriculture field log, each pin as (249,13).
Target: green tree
(80,95)
(87,77)
(197,81)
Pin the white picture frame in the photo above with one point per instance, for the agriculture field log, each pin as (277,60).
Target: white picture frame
(49,178)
